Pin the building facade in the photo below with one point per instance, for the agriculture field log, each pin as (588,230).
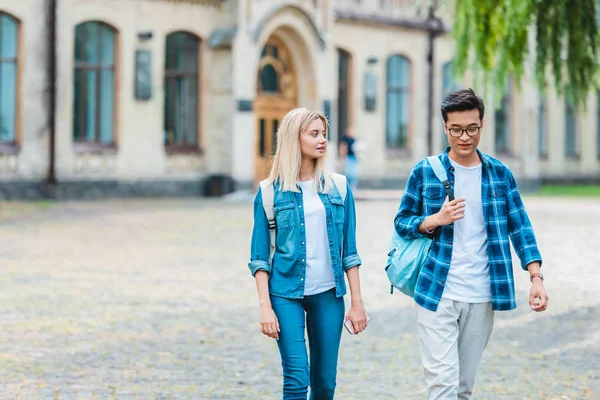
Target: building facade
(178,97)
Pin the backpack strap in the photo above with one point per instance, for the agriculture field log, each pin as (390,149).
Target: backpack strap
(268,197)
(340,183)
(440,172)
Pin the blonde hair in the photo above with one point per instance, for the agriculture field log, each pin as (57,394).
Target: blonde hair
(285,166)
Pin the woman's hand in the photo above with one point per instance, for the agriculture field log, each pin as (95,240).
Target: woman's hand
(358,316)
(269,324)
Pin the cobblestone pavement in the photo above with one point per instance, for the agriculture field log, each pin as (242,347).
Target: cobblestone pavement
(153,300)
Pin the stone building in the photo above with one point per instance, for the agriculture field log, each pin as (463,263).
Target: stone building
(163,97)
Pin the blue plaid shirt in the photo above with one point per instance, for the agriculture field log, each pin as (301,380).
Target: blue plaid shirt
(504,216)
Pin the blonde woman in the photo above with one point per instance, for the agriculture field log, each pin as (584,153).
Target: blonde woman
(315,237)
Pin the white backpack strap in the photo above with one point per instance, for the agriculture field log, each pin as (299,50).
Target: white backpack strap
(440,172)
(268,198)
(340,184)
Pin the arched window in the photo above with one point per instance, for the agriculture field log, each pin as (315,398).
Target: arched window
(397,101)
(182,87)
(94,83)
(9,38)
(269,79)
(503,121)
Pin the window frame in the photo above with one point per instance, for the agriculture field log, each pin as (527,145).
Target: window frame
(13,146)
(449,85)
(571,135)
(506,107)
(400,90)
(173,74)
(344,93)
(543,131)
(82,144)
(598,125)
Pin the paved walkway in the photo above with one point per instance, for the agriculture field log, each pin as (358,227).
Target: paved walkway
(153,300)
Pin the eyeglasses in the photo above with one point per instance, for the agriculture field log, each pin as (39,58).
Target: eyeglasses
(458,132)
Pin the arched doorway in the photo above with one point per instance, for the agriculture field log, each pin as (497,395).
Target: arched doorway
(276,95)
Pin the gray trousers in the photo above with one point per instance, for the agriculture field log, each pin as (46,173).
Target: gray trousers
(452,341)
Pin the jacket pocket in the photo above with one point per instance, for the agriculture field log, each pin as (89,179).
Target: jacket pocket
(284,214)
(338,210)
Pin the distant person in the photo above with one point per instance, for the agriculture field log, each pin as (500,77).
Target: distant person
(313,236)
(468,275)
(348,149)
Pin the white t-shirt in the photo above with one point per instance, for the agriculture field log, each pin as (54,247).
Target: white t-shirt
(319,269)
(469,277)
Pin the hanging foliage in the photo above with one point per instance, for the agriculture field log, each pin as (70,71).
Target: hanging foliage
(493,39)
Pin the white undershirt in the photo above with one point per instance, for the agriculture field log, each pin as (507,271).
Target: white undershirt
(469,278)
(319,270)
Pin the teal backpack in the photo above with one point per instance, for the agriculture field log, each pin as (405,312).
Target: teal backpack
(406,257)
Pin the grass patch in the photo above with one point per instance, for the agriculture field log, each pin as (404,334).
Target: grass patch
(571,190)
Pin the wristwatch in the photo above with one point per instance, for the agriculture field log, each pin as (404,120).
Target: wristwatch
(536,275)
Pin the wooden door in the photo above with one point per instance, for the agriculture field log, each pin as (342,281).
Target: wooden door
(276,95)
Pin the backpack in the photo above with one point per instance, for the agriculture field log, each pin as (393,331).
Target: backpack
(407,256)
(268,196)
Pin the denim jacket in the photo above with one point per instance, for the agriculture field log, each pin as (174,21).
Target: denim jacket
(288,269)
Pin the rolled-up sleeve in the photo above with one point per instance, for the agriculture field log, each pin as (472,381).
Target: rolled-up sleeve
(260,246)
(409,218)
(350,257)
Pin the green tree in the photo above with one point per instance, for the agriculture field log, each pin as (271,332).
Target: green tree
(492,38)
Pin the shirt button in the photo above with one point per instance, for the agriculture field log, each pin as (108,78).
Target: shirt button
(300,206)
(303,260)
(301,279)
(331,241)
(302,242)
(302,223)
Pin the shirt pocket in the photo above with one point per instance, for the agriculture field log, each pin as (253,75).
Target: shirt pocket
(284,214)
(497,195)
(499,190)
(433,199)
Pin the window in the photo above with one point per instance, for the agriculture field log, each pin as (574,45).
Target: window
(343,93)
(503,117)
(9,28)
(397,102)
(182,86)
(542,128)
(571,142)
(598,125)
(94,105)
(449,84)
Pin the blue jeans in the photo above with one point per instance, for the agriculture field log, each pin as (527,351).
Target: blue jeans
(323,316)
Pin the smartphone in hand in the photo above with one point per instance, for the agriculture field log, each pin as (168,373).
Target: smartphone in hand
(350,328)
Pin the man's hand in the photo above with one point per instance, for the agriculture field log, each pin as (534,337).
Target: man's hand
(451,211)
(538,292)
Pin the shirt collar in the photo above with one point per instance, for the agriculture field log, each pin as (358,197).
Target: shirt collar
(446,159)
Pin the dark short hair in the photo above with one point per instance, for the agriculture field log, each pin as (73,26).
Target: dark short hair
(462,100)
